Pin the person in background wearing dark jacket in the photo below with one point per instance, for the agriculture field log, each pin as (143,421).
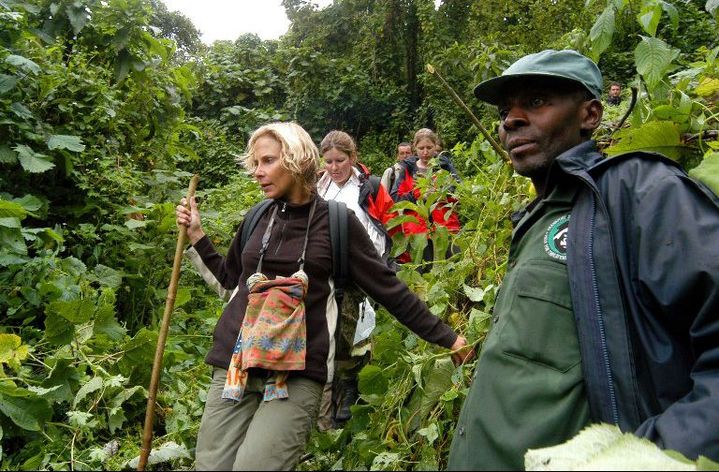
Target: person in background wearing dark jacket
(614,97)
(346,180)
(425,144)
(404,150)
(608,311)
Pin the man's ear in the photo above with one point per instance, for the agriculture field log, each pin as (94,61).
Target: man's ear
(592,111)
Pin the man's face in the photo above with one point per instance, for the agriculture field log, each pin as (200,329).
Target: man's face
(540,119)
(615,91)
(403,152)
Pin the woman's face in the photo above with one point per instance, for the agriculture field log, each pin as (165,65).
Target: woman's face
(426,149)
(338,165)
(276,181)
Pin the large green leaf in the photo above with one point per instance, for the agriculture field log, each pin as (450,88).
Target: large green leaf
(108,276)
(29,202)
(372,381)
(712,7)
(134,224)
(7,155)
(649,17)
(21,111)
(672,12)
(139,355)
(478,324)
(122,65)
(78,16)
(93,385)
(66,377)
(602,32)
(23,407)
(62,141)
(475,294)
(707,86)
(11,210)
(32,161)
(605,447)
(12,350)
(437,380)
(13,240)
(7,259)
(708,172)
(653,58)
(167,452)
(654,136)
(57,330)
(75,311)
(10,223)
(23,63)
(106,323)
(430,432)
(7,83)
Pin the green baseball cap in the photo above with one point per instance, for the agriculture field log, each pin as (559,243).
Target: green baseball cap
(566,64)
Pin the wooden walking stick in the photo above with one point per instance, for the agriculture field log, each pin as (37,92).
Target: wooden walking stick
(162,338)
(497,148)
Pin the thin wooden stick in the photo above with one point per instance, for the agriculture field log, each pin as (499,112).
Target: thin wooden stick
(497,148)
(162,338)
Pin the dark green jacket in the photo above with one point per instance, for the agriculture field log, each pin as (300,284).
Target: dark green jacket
(643,262)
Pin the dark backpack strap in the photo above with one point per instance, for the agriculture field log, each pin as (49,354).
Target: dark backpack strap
(251,219)
(338,240)
(374,184)
(340,259)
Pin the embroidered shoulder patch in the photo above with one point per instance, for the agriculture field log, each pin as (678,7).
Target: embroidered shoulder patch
(555,239)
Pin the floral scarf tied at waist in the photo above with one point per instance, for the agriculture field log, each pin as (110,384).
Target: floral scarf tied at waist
(273,335)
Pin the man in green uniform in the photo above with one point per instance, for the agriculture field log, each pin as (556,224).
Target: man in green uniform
(577,335)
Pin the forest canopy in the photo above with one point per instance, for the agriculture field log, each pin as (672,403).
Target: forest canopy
(107,107)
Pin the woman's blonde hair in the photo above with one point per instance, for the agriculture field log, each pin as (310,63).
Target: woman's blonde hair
(425,133)
(341,141)
(299,154)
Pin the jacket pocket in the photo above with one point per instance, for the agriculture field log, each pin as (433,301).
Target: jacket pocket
(539,326)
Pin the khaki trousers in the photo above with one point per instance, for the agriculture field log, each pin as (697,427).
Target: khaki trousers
(252,434)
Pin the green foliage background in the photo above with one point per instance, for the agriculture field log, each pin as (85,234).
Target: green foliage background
(108,106)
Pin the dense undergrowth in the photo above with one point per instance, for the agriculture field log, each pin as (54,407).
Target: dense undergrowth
(103,118)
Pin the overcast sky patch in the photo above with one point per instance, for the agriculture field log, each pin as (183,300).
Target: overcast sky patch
(228,19)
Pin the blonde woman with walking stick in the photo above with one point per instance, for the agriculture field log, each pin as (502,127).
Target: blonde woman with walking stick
(274,343)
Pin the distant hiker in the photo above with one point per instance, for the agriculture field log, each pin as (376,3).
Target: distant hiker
(346,180)
(404,150)
(425,143)
(608,311)
(274,344)
(614,97)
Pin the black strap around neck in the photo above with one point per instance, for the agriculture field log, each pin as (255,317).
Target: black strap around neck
(268,233)
(266,239)
(301,260)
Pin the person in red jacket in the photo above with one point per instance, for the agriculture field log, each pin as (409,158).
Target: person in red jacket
(346,180)
(425,143)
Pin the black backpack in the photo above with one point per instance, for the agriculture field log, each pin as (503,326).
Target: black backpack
(340,251)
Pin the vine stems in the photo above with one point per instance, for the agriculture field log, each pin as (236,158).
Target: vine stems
(162,337)
(497,148)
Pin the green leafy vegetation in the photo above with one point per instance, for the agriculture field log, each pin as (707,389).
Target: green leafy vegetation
(108,106)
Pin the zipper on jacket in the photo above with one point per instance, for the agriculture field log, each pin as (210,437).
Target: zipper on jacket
(282,232)
(602,332)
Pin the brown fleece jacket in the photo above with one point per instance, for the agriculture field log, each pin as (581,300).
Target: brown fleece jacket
(367,271)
